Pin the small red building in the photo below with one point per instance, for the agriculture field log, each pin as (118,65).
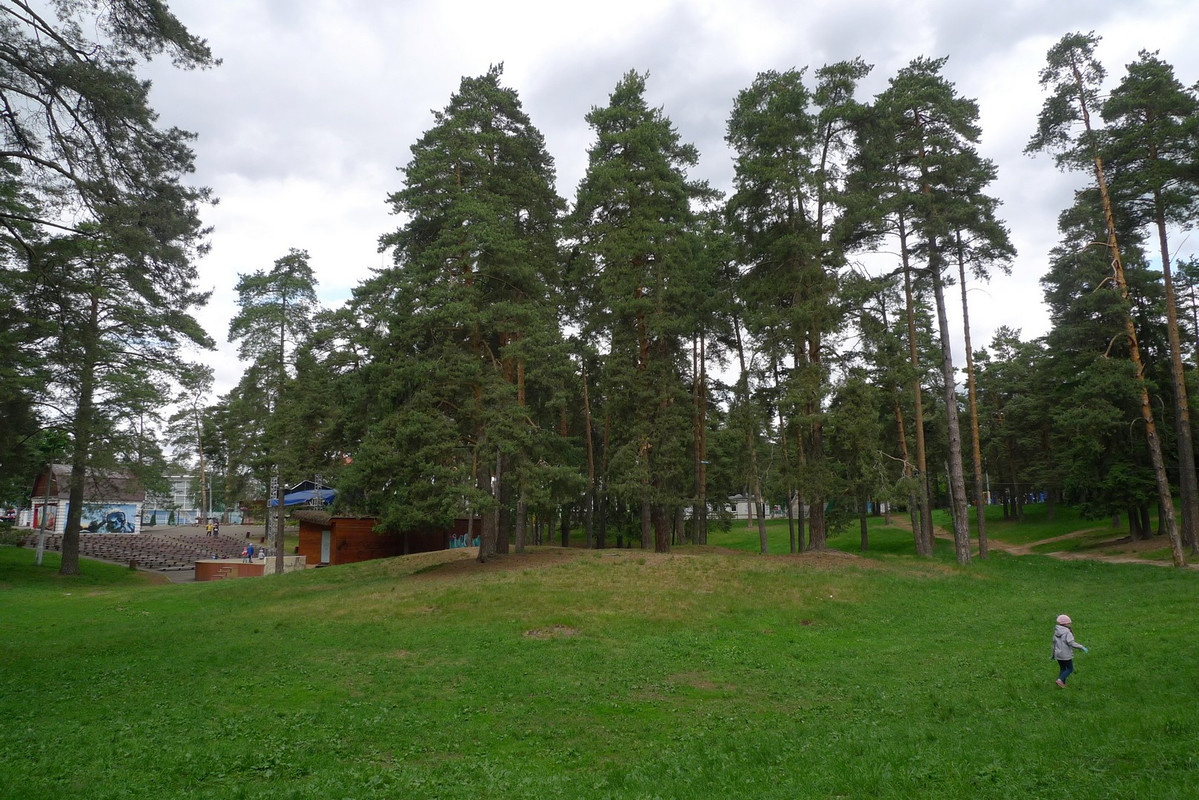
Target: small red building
(326,540)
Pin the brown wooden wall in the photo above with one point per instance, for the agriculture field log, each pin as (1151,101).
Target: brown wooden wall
(353,539)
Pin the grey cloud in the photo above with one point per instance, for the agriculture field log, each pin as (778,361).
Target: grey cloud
(302,129)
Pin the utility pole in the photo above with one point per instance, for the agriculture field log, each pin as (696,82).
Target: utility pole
(41,536)
(278,525)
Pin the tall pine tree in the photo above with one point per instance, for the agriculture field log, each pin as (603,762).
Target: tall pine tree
(1074,78)
(635,229)
(1152,139)
(466,347)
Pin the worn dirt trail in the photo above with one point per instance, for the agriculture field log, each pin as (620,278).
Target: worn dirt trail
(1064,555)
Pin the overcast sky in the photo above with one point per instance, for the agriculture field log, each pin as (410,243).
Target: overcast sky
(304,126)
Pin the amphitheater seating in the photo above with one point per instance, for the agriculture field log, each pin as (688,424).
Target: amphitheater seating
(165,552)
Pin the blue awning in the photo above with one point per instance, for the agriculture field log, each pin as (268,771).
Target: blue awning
(322,496)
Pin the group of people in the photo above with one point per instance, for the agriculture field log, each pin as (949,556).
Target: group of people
(213,528)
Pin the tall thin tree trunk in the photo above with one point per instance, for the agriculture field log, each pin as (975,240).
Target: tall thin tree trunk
(975,440)
(503,520)
(787,474)
(41,536)
(957,480)
(751,436)
(661,521)
(200,452)
(1155,449)
(925,539)
(913,502)
(589,510)
(703,443)
(279,518)
(1188,487)
(226,491)
(862,523)
(647,527)
(278,443)
(817,527)
(695,429)
(82,435)
(522,515)
(602,491)
(800,463)
(489,520)
(758,502)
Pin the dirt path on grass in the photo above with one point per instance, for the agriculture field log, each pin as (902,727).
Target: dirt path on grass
(1090,554)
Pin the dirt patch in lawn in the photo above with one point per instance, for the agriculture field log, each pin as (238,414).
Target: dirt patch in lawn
(552,632)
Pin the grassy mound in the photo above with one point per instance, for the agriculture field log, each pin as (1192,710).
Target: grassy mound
(604,674)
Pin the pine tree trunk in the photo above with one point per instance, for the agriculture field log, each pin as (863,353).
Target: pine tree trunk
(1134,524)
(601,495)
(503,520)
(751,438)
(818,530)
(862,524)
(925,533)
(791,519)
(489,519)
(661,521)
(975,443)
(82,435)
(957,480)
(647,527)
(699,510)
(913,503)
(760,507)
(790,488)
(1155,449)
(522,515)
(800,514)
(703,443)
(1187,484)
(601,524)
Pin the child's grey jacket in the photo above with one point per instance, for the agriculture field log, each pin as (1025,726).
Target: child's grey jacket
(1064,644)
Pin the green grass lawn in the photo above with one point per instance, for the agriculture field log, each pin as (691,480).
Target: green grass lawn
(1035,526)
(893,541)
(601,675)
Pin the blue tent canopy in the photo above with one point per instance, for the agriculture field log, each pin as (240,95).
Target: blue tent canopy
(324,496)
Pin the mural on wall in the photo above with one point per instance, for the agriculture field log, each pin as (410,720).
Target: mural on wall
(50,513)
(463,541)
(108,518)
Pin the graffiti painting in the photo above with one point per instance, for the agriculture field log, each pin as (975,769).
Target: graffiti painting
(109,518)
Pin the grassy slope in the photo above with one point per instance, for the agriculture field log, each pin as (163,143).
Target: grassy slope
(605,675)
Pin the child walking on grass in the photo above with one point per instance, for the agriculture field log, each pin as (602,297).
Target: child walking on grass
(1064,647)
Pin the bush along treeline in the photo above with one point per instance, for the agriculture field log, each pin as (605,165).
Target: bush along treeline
(613,368)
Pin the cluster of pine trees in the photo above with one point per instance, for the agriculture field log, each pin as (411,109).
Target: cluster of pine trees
(546,366)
